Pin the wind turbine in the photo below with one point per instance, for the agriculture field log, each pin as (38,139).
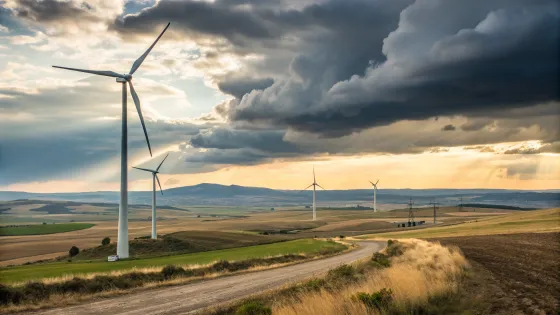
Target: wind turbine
(314,184)
(374,195)
(122,236)
(154,178)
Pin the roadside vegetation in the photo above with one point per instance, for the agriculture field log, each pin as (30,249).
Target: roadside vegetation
(410,277)
(66,290)
(40,229)
(66,269)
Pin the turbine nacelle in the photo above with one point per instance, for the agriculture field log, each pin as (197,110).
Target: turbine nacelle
(123,78)
(154,172)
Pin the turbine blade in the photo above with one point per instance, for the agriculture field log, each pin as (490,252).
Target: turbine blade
(377,182)
(104,73)
(159,183)
(143,169)
(139,109)
(305,188)
(320,186)
(139,61)
(314,175)
(372,183)
(157,169)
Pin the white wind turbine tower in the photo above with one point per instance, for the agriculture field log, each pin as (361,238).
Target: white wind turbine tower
(374,195)
(313,184)
(154,178)
(122,236)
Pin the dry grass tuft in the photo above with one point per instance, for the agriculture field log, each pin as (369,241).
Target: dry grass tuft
(423,271)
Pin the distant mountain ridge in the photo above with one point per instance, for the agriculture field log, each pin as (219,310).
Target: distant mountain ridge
(235,195)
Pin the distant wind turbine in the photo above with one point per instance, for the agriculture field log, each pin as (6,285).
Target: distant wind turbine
(154,178)
(374,195)
(122,236)
(313,184)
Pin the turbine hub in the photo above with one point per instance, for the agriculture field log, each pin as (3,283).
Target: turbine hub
(128,77)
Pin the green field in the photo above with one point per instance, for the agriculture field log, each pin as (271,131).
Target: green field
(525,222)
(40,229)
(39,271)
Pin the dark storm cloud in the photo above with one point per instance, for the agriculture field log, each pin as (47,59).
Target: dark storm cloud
(477,57)
(342,77)
(226,138)
(448,128)
(240,86)
(248,146)
(199,16)
(51,10)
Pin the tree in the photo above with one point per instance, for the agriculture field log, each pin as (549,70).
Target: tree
(106,241)
(74,251)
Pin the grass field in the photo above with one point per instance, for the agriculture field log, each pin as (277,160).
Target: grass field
(40,271)
(181,243)
(41,229)
(533,221)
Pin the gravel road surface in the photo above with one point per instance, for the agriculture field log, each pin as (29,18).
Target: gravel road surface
(193,297)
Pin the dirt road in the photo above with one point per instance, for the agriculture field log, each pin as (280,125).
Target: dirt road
(192,297)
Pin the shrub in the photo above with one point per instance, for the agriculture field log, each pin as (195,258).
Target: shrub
(378,300)
(341,236)
(106,241)
(171,271)
(10,295)
(380,260)
(344,272)
(36,291)
(221,265)
(253,308)
(395,248)
(74,251)
(313,284)
(76,285)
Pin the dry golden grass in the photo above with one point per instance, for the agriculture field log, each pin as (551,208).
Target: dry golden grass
(424,270)
(518,222)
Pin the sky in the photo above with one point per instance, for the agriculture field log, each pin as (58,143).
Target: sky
(418,94)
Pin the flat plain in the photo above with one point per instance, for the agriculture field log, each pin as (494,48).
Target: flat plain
(289,223)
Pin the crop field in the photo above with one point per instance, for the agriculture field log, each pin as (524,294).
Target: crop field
(58,269)
(515,273)
(181,243)
(291,223)
(519,222)
(41,229)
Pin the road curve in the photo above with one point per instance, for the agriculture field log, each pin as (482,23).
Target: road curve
(196,296)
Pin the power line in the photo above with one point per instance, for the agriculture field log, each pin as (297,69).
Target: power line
(410,213)
(435,204)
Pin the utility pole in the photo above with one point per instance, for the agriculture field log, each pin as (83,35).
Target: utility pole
(435,204)
(461,204)
(410,213)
